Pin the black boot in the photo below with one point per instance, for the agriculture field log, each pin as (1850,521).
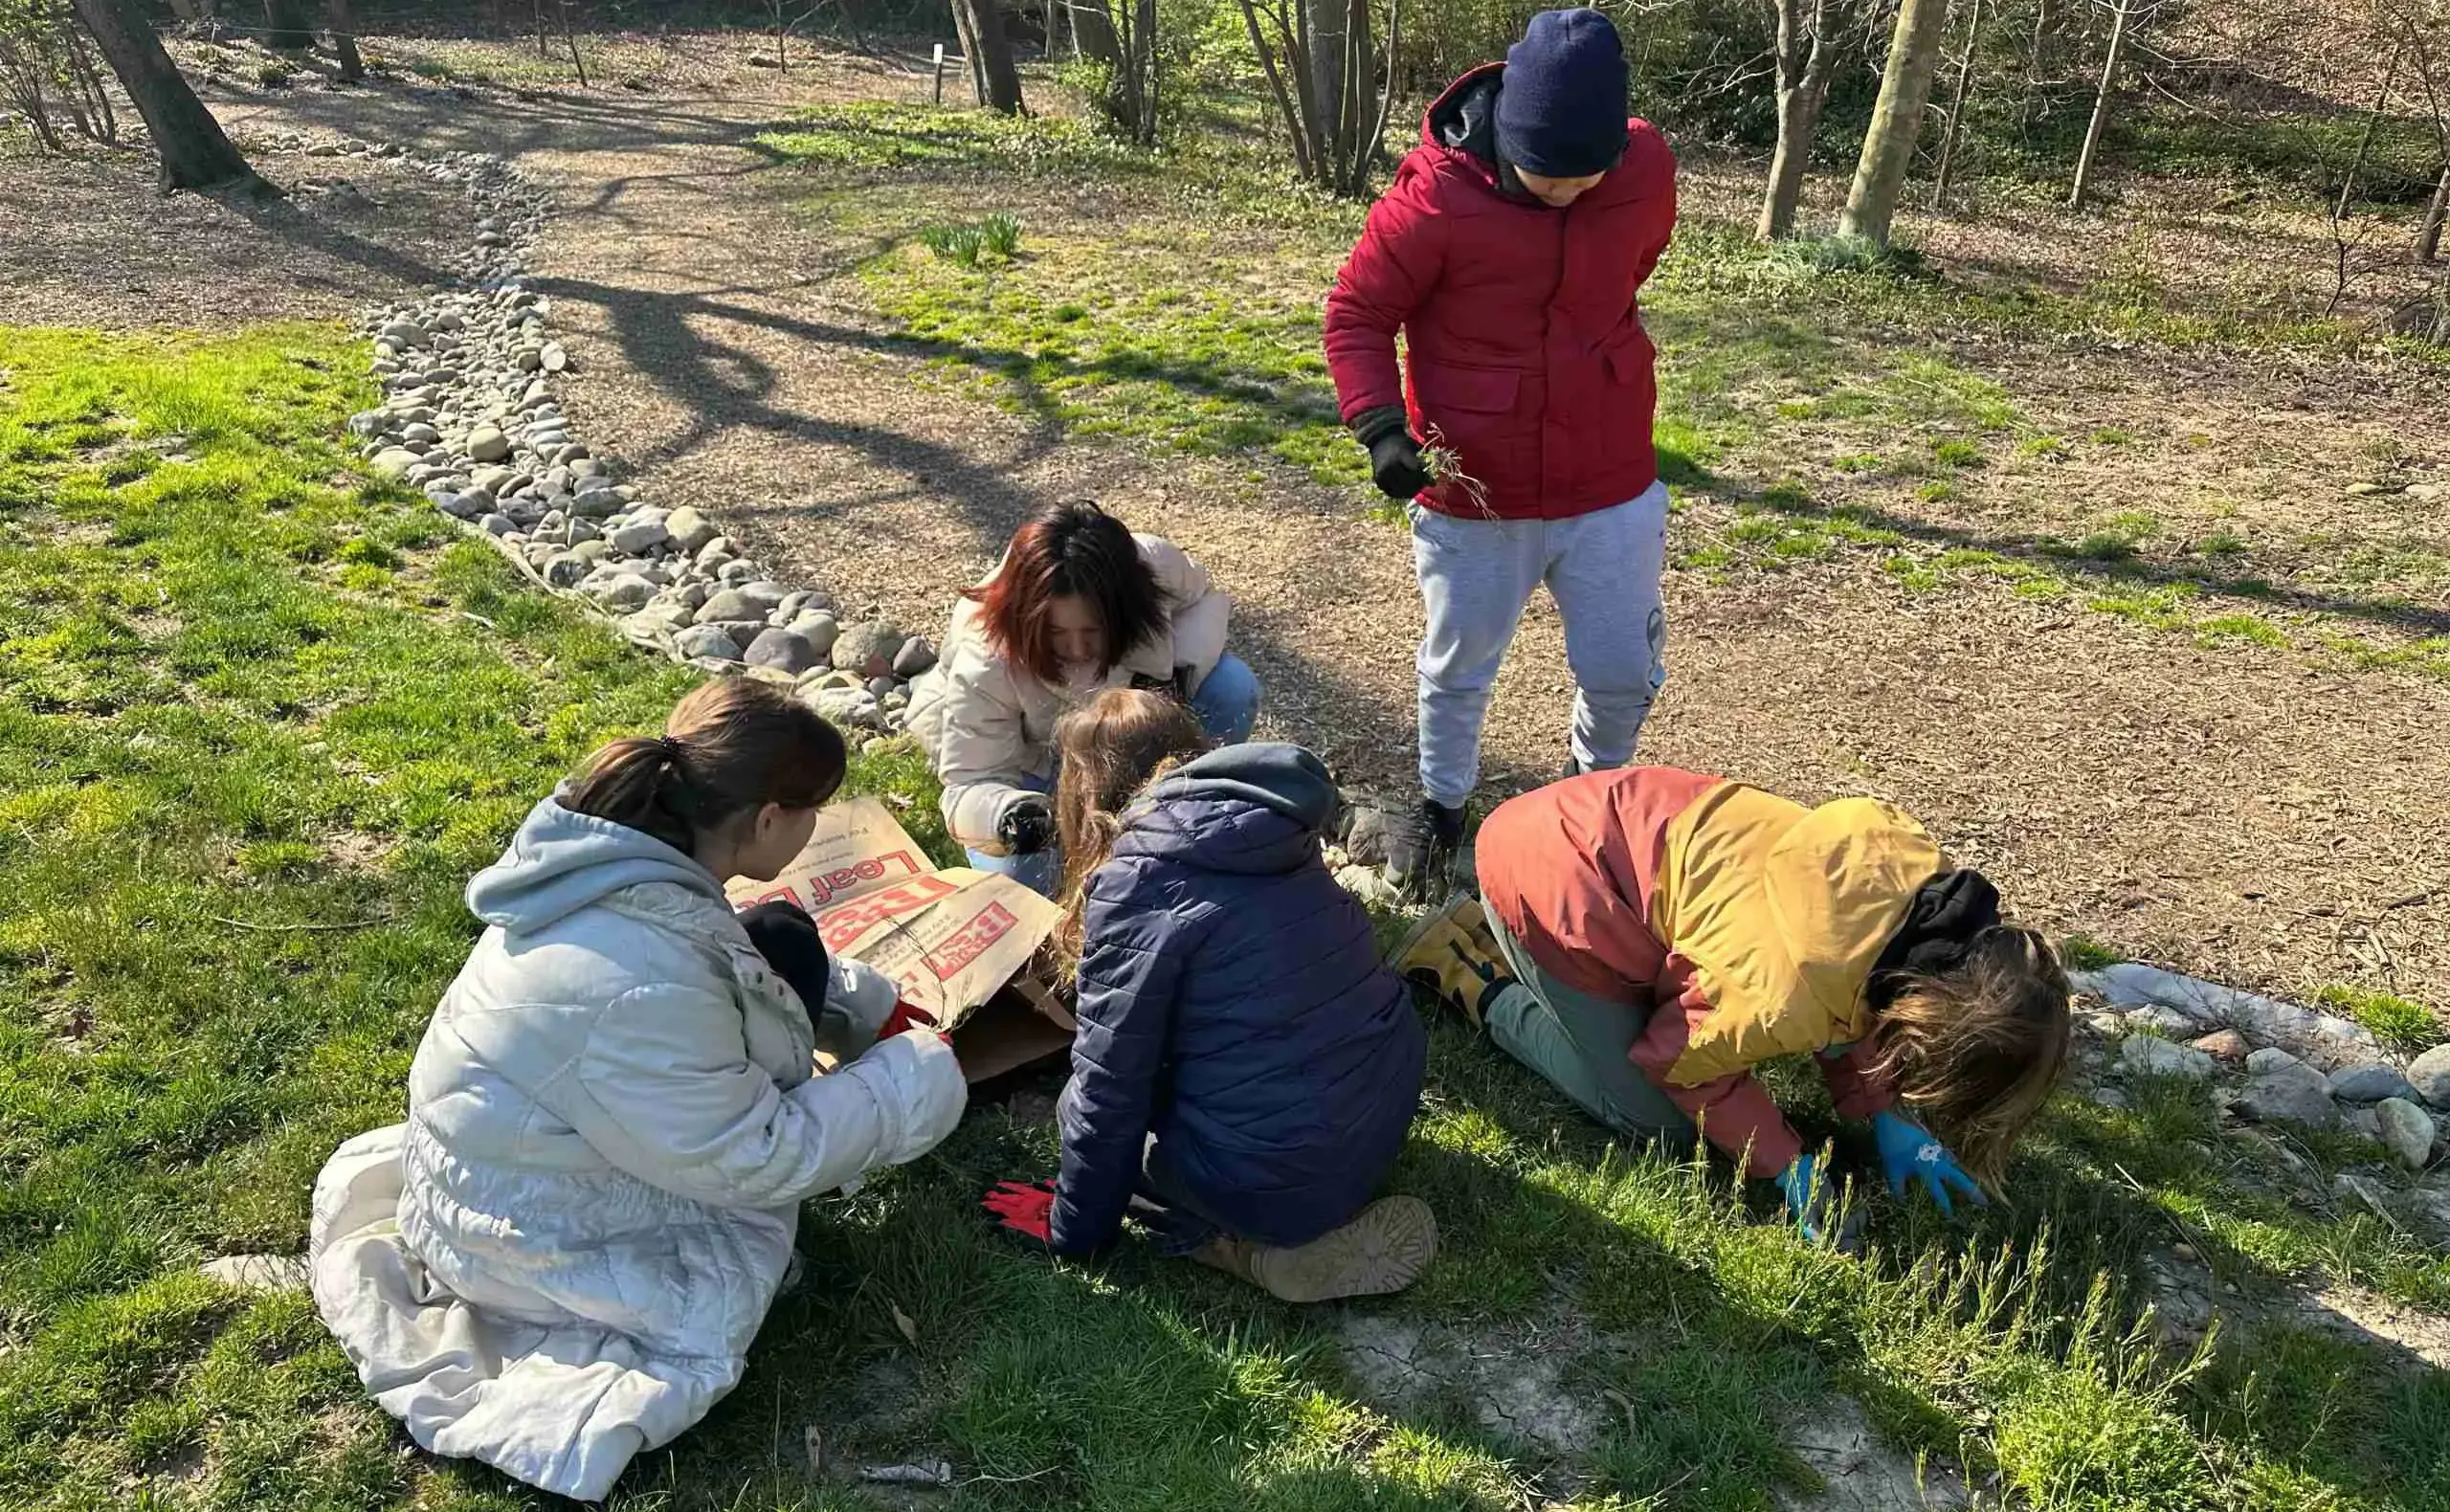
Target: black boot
(1420,849)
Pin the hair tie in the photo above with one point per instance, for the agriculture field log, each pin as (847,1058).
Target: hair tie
(671,748)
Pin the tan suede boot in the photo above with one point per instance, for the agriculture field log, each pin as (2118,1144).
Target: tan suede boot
(1384,1248)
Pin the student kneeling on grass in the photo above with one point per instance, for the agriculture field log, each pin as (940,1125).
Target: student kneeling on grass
(1650,935)
(1245,1069)
(560,1259)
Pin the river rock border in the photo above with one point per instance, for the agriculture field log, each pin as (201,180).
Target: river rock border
(2302,1066)
(470,418)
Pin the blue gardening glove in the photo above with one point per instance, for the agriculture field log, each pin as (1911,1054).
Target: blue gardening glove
(1812,1201)
(1907,1151)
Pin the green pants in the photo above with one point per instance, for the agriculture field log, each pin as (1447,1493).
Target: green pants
(1579,1042)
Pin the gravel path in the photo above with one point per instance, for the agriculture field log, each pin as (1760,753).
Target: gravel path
(2241,813)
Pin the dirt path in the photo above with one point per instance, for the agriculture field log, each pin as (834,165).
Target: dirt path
(2240,812)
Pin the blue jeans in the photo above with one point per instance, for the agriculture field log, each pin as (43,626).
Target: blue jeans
(1227,702)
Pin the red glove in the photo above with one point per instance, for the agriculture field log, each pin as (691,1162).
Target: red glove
(905,1017)
(1021,1206)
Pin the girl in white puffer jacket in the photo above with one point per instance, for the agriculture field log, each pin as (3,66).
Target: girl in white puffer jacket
(559,1260)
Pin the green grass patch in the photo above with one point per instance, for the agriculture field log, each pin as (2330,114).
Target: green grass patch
(870,137)
(2402,1025)
(2084,953)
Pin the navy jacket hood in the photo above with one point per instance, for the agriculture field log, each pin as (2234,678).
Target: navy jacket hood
(1257,809)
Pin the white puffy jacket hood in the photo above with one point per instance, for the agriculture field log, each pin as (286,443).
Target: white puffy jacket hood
(561,860)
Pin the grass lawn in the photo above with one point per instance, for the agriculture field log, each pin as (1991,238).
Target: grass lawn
(259,718)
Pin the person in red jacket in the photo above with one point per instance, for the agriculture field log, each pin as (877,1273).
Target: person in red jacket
(1509,251)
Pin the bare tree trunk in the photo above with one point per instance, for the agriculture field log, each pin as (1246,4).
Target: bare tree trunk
(1803,86)
(1328,24)
(541,50)
(1956,110)
(343,40)
(2428,237)
(1143,71)
(1093,34)
(991,66)
(196,153)
(2033,66)
(2085,160)
(1284,103)
(1386,98)
(969,51)
(569,35)
(1897,118)
(286,25)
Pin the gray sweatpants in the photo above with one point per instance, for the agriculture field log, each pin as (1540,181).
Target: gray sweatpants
(1603,569)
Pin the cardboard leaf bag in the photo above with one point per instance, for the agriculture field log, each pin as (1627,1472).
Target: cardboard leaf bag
(959,943)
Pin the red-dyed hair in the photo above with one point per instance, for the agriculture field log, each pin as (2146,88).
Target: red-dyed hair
(1074,550)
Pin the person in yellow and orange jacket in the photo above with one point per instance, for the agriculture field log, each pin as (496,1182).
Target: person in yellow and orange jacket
(1651,935)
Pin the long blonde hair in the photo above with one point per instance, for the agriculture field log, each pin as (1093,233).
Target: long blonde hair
(1977,1048)
(1112,748)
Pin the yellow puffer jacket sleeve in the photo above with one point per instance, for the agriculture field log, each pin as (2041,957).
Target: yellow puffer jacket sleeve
(1780,913)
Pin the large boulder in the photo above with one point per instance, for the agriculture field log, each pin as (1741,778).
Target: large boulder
(2147,1056)
(2430,1075)
(2370,1083)
(2295,1093)
(2407,1131)
(868,649)
(783,651)
(707,641)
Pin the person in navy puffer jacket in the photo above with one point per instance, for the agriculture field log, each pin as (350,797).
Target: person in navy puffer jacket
(1246,1068)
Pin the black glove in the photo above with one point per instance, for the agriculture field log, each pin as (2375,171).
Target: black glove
(1394,456)
(1026,827)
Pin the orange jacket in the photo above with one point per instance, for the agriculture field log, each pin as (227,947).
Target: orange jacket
(1750,922)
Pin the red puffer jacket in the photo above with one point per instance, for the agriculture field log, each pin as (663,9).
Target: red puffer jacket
(1525,349)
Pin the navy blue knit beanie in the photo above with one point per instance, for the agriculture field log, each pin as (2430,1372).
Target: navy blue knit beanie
(1561,105)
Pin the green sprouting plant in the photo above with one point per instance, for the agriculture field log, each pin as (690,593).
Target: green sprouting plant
(954,243)
(2394,1020)
(1956,452)
(971,242)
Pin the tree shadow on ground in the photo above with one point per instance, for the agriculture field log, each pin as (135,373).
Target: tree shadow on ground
(2102,565)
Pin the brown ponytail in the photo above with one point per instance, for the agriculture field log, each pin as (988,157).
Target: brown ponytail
(730,747)
(1112,748)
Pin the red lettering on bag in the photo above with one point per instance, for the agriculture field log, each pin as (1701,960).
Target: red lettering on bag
(994,922)
(842,925)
